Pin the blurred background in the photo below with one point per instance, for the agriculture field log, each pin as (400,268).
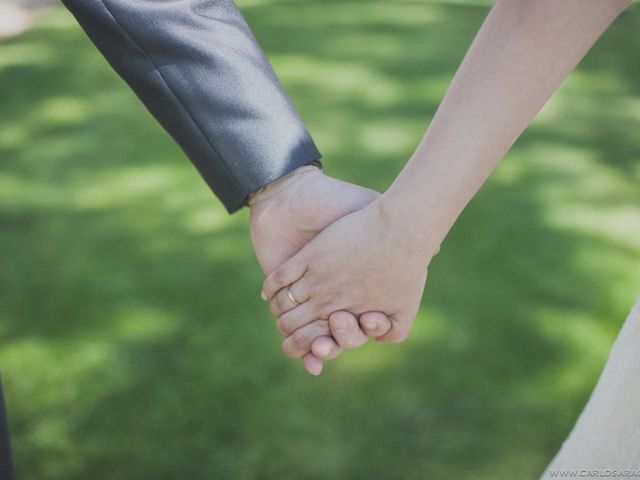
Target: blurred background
(133,343)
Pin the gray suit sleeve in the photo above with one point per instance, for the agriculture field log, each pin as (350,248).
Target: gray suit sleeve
(198,69)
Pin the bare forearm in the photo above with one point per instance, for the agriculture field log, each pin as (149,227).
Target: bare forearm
(521,55)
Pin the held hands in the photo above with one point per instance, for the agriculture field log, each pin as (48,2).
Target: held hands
(286,216)
(374,259)
(364,263)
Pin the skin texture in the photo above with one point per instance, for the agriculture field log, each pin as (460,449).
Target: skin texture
(377,258)
(287,215)
(393,283)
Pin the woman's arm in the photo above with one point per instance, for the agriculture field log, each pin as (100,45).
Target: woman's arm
(523,52)
(376,259)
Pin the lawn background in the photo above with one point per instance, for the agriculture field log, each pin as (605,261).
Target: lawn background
(133,343)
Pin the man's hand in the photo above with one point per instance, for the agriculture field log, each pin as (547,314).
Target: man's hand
(285,216)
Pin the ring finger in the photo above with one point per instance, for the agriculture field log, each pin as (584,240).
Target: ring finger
(288,298)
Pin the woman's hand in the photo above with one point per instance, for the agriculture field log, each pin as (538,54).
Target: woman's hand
(368,261)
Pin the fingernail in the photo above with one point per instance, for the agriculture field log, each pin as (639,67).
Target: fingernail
(263,295)
(323,350)
(371,325)
(340,322)
(315,370)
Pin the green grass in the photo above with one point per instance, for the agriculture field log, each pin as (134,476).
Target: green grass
(133,343)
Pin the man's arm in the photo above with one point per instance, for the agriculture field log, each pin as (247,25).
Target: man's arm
(197,67)
(199,70)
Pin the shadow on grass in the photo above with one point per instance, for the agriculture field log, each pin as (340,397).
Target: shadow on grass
(133,342)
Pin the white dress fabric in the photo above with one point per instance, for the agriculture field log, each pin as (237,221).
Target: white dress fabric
(605,441)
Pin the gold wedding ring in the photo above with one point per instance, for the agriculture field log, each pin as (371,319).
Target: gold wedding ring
(291,297)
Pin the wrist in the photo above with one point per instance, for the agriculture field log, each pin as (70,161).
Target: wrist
(408,225)
(274,190)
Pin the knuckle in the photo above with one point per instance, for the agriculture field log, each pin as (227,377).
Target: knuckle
(312,281)
(274,306)
(288,321)
(301,292)
(298,340)
(325,308)
(321,328)
(278,278)
(287,349)
(282,327)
